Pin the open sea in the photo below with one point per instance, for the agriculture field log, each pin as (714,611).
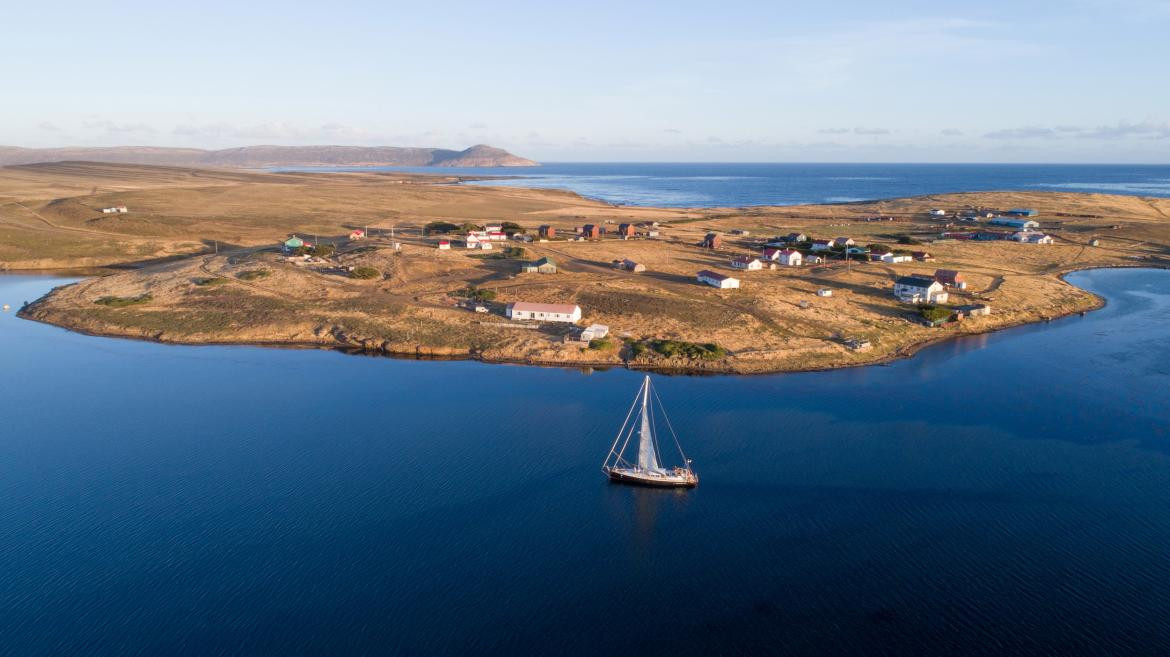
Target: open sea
(1005,494)
(734,185)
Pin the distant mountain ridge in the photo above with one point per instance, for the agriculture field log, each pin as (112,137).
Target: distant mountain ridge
(479,155)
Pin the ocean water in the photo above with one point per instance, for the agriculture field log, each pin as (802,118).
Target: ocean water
(1006,494)
(735,185)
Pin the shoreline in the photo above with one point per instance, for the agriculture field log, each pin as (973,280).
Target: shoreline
(420,352)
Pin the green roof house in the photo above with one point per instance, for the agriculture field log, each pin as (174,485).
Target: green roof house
(542,266)
(293,242)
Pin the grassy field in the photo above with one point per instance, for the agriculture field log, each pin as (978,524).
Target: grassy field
(50,217)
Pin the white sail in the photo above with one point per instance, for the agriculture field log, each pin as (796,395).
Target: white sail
(647,452)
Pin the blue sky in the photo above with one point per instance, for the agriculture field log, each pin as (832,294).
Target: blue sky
(1070,81)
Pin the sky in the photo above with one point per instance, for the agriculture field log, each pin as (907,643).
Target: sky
(729,81)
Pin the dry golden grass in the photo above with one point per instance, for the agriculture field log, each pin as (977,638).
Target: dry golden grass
(49,216)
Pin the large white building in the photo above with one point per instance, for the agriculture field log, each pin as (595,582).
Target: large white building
(544,312)
(920,289)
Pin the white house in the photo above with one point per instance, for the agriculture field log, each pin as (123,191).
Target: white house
(790,258)
(485,246)
(544,312)
(824,292)
(117,209)
(919,289)
(444,245)
(895,258)
(715,279)
(472,240)
(747,263)
(822,245)
(936,212)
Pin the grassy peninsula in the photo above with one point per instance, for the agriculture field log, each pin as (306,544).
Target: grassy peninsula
(196,259)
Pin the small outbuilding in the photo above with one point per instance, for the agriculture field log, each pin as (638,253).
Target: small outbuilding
(541,266)
(547,232)
(591,231)
(627,230)
(711,241)
(630,265)
(444,245)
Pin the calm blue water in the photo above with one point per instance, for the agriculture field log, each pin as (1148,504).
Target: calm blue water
(733,185)
(1000,495)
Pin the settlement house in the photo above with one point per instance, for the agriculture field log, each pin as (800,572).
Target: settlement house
(293,243)
(822,245)
(711,241)
(547,232)
(117,209)
(843,242)
(715,279)
(922,256)
(895,258)
(544,312)
(591,231)
(541,266)
(919,289)
(357,234)
(1022,212)
(747,263)
(627,230)
(444,245)
(951,278)
(790,258)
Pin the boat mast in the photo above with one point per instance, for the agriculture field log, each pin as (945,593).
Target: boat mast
(647,450)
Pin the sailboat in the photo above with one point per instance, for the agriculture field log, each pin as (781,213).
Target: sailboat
(648,470)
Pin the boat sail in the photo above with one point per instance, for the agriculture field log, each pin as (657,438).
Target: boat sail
(648,470)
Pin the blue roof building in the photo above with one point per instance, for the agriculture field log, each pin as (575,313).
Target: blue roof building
(1022,212)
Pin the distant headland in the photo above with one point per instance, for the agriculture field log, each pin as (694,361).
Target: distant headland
(254,157)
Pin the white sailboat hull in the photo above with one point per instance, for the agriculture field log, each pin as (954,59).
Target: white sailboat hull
(675,478)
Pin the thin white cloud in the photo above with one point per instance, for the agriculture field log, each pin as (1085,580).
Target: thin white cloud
(111,128)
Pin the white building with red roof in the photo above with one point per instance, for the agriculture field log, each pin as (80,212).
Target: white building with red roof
(544,312)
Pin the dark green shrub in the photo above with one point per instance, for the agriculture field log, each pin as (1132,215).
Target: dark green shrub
(365,273)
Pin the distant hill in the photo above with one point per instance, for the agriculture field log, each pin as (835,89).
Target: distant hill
(272,156)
